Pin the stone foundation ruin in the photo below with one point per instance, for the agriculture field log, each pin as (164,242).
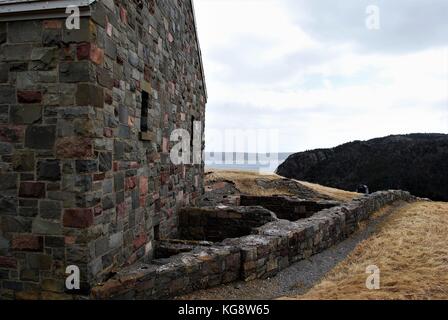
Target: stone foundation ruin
(272,245)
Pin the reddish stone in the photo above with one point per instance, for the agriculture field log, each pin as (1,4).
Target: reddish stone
(83,51)
(29,96)
(12,133)
(96,54)
(134,165)
(99,177)
(142,201)
(147,74)
(108,132)
(164,178)
(70,240)
(32,190)
(78,218)
(98,210)
(165,145)
(108,99)
(52,24)
(130,183)
(143,185)
(121,209)
(170,37)
(74,148)
(8,262)
(27,243)
(140,241)
(123,15)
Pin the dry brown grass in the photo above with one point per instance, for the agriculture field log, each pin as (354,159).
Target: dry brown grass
(336,194)
(246,182)
(411,250)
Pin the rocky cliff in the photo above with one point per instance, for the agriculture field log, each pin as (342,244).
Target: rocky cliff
(416,162)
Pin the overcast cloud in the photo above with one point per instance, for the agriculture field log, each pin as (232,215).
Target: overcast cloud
(314,71)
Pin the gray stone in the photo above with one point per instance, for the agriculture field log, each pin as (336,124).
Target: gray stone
(90,95)
(26,114)
(8,181)
(108,202)
(7,95)
(24,31)
(43,58)
(23,161)
(101,246)
(40,137)
(50,209)
(105,161)
(17,52)
(5,148)
(86,166)
(49,170)
(8,205)
(116,240)
(41,226)
(72,72)
(51,37)
(4,73)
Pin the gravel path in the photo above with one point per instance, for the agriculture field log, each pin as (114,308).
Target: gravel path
(296,279)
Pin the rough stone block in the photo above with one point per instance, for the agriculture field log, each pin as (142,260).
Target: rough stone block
(78,218)
(4,73)
(27,242)
(17,52)
(32,190)
(90,95)
(50,209)
(49,170)
(8,262)
(40,137)
(73,72)
(23,161)
(74,148)
(7,95)
(21,114)
(46,227)
(24,31)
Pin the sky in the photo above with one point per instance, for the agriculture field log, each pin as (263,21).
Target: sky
(318,73)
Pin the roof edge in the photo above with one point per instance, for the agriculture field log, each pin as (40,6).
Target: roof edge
(199,50)
(30,10)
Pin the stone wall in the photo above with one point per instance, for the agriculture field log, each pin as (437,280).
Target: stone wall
(85,123)
(270,249)
(288,208)
(218,223)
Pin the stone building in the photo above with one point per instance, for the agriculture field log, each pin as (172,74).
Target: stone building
(85,122)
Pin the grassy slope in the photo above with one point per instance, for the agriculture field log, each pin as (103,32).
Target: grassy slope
(411,250)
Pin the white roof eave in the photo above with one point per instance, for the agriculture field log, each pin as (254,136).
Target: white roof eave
(34,9)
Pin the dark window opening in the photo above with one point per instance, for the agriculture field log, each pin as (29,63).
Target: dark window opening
(144,112)
(156,230)
(192,133)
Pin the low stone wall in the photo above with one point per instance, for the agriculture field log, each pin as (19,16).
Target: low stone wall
(219,223)
(271,248)
(281,243)
(288,208)
(202,268)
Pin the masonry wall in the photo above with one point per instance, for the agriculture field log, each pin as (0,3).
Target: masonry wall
(82,181)
(217,224)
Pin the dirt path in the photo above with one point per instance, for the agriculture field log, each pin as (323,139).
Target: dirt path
(301,276)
